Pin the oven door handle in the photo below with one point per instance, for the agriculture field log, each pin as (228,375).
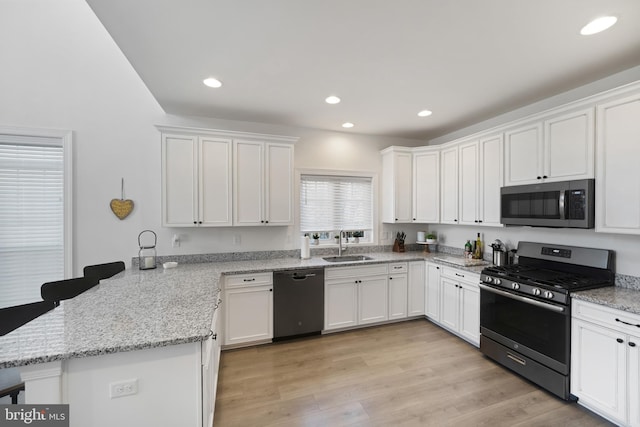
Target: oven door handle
(523,299)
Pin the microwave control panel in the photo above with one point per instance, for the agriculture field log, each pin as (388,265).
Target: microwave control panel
(577,204)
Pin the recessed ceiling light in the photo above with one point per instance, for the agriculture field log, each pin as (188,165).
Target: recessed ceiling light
(347,125)
(425,113)
(332,99)
(212,82)
(598,25)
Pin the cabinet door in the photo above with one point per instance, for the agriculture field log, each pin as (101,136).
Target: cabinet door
(279,184)
(469,295)
(633,375)
(402,187)
(426,187)
(398,288)
(491,167)
(449,185)
(432,297)
(341,304)
(598,359)
(248,185)
(617,174)
(372,300)
(569,146)
(179,181)
(248,314)
(469,189)
(449,315)
(416,292)
(523,155)
(215,205)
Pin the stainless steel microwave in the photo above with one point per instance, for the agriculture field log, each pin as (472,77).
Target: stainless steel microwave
(569,204)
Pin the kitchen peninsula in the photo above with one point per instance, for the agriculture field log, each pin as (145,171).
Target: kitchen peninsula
(149,334)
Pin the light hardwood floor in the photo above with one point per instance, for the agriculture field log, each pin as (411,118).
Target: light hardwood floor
(403,374)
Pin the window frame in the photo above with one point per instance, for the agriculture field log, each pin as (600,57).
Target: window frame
(66,139)
(340,172)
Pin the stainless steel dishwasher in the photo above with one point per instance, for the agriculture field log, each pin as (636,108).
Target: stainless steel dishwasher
(298,303)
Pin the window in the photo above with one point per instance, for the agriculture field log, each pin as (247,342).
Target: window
(329,203)
(34,214)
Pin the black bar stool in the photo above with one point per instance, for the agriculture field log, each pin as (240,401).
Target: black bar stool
(104,271)
(66,289)
(12,318)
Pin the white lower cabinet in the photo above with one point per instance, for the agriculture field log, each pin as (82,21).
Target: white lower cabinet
(355,296)
(210,365)
(248,307)
(605,361)
(398,290)
(460,304)
(416,289)
(432,292)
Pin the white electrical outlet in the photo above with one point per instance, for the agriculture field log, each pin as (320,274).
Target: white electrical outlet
(175,241)
(236,239)
(123,388)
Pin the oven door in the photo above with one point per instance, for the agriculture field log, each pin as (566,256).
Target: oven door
(535,329)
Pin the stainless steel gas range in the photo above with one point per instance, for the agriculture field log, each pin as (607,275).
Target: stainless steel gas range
(525,309)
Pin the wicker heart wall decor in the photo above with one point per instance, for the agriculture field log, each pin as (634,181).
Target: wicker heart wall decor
(121,207)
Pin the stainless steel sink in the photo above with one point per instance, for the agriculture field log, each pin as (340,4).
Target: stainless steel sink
(347,258)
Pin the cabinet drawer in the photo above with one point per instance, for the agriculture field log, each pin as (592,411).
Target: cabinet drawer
(398,267)
(359,271)
(606,316)
(454,273)
(240,280)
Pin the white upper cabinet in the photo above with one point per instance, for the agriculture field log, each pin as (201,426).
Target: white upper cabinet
(557,148)
(224,178)
(397,181)
(469,184)
(426,185)
(617,173)
(449,185)
(196,181)
(263,183)
(490,179)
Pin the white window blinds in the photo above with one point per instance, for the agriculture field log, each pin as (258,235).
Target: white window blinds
(31,216)
(335,203)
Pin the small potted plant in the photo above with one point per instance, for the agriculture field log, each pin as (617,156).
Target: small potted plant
(315,239)
(337,238)
(357,235)
(431,239)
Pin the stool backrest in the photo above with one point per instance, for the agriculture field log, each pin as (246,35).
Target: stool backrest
(104,271)
(67,289)
(12,318)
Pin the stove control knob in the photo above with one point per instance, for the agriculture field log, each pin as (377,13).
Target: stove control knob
(488,279)
(548,295)
(537,291)
(515,286)
(497,281)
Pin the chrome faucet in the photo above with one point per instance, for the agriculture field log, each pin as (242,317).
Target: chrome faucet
(340,249)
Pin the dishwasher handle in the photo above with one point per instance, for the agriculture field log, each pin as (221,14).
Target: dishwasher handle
(295,276)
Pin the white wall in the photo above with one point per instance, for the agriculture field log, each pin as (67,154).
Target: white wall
(61,70)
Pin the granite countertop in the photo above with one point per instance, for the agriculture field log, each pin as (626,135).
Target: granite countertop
(625,299)
(144,309)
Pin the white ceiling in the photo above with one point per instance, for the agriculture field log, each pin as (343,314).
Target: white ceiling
(466,60)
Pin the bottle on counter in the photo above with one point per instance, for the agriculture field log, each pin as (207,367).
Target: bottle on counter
(477,254)
(467,249)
